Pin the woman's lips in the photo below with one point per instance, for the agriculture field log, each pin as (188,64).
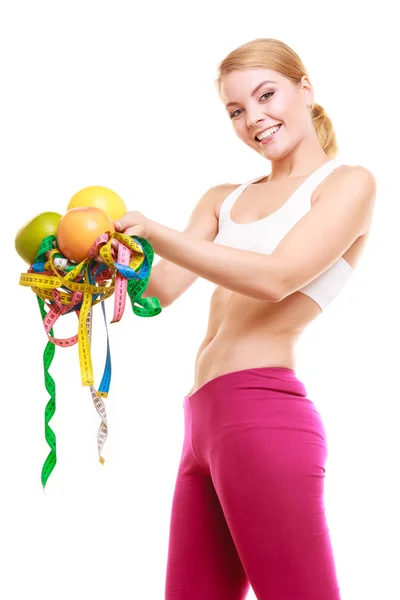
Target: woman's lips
(271,137)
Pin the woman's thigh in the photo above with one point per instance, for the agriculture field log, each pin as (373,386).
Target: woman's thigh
(260,446)
(202,559)
(265,446)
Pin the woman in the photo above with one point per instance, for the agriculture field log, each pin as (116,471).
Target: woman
(248,507)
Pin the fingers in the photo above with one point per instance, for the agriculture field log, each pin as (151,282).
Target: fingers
(131,230)
(122,223)
(129,219)
(119,226)
(114,250)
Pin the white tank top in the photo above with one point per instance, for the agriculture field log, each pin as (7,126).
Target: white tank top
(265,234)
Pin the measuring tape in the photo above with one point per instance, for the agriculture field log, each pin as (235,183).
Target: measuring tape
(63,288)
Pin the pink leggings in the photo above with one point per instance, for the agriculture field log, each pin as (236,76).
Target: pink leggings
(248,506)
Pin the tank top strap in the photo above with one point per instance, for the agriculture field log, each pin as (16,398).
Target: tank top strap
(306,188)
(316,178)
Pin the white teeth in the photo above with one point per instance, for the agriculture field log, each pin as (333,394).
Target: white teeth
(267,133)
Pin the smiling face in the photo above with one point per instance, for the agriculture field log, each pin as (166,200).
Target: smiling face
(254,106)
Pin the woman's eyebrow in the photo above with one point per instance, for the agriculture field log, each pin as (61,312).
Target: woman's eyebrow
(253,92)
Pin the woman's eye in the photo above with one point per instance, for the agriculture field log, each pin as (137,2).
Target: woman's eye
(266,94)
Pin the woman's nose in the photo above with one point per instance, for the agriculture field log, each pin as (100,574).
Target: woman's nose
(254,119)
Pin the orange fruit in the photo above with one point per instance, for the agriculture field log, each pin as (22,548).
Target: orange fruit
(101,197)
(79,228)
(29,237)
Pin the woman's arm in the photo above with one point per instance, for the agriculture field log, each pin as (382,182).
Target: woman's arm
(249,273)
(325,232)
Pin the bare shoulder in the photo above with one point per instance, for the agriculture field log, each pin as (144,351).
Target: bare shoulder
(353,173)
(349,177)
(358,183)
(362,187)
(365,177)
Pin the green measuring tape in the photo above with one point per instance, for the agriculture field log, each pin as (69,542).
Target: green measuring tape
(63,288)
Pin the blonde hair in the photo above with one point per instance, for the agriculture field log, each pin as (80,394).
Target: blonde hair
(267,53)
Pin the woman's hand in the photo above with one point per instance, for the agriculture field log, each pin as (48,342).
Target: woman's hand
(134,223)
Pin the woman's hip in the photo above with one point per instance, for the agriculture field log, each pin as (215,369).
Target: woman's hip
(269,404)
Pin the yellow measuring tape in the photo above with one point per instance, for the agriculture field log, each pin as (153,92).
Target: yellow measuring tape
(64,287)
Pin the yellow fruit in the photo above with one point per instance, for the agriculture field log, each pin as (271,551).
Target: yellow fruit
(29,237)
(78,230)
(101,197)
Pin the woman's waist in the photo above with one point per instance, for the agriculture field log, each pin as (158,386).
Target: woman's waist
(235,343)
(227,354)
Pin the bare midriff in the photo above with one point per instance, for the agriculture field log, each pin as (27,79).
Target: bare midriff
(246,333)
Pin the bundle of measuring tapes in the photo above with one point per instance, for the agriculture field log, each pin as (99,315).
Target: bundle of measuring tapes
(62,287)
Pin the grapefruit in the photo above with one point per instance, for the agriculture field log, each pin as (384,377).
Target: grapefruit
(101,197)
(78,230)
(29,237)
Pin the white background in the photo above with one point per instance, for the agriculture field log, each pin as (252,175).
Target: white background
(122,95)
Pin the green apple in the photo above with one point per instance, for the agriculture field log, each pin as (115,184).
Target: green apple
(29,237)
